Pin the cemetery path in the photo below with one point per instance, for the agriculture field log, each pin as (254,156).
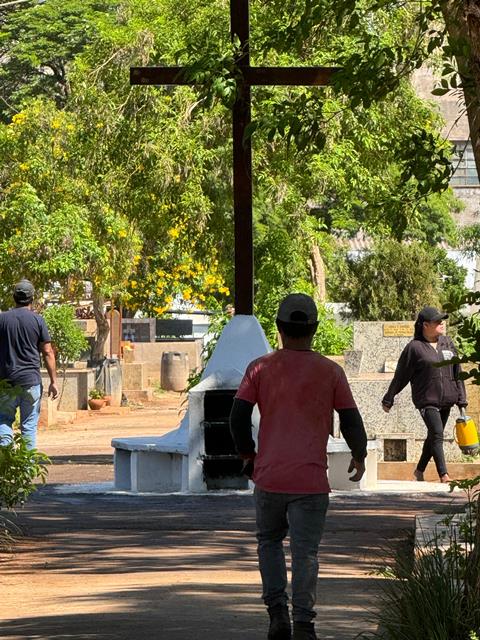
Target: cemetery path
(178,567)
(172,567)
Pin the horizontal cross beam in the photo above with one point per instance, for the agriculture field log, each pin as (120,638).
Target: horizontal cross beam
(253,76)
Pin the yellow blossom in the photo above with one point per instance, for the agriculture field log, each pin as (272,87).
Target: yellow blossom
(24,166)
(122,233)
(133,284)
(19,118)
(173,233)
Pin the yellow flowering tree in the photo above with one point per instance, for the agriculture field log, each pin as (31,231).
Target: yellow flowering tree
(58,226)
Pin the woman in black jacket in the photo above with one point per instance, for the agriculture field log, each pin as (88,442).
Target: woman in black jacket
(434,389)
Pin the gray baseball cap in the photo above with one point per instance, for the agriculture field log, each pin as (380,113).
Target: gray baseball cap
(23,291)
(297,308)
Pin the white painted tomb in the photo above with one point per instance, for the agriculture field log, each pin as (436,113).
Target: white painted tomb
(174,460)
(177,460)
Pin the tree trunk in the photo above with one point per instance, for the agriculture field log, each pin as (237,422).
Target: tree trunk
(103,328)
(462,19)
(317,271)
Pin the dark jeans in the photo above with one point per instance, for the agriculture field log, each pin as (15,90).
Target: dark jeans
(304,515)
(435,419)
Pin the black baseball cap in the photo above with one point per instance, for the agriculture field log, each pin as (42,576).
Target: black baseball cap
(430,314)
(297,308)
(23,291)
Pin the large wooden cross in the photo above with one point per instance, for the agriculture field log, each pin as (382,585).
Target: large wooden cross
(242,149)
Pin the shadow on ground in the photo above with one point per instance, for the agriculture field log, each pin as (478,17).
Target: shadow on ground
(184,567)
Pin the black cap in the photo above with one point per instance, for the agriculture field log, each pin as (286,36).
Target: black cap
(430,314)
(23,291)
(297,308)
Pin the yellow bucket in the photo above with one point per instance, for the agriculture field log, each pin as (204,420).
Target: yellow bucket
(466,435)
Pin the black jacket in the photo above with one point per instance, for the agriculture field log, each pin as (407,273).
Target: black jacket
(431,386)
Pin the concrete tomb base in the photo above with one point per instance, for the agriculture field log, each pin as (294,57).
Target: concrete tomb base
(339,457)
(198,456)
(180,460)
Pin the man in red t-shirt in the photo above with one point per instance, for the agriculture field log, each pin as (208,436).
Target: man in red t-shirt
(296,390)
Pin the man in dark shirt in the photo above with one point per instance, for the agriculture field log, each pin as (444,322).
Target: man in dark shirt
(23,337)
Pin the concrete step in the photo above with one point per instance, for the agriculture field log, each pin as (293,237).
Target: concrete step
(404,470)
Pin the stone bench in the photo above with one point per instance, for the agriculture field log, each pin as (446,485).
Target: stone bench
(339,457)
(151,463)
(160,464)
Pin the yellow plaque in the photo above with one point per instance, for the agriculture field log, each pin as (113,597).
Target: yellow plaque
(398,329)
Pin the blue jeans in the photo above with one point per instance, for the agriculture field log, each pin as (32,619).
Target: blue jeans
(28,400)
(304,515)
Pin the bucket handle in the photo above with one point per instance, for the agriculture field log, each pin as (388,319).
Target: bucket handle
(462,415)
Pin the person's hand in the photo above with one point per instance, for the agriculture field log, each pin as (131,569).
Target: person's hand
(359,468)
(53,391)
(385,408)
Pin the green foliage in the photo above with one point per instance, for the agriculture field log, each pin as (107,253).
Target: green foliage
(437,596)
(331,338)
(19,468)
(467,333)
(216,325)
(37,43)
(395,280)
(96,394)
(129,188)
(67,337)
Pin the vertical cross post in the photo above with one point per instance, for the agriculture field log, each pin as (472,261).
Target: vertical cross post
(242,166)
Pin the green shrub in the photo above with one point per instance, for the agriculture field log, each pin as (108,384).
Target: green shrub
(437,595)
(96,394)
(67,337)
(395,280)
(331,338)
(19,468)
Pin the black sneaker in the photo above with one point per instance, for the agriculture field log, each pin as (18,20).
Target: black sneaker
(280,627)
(304,631)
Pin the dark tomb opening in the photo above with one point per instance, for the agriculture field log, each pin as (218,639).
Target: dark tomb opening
(221,465)
(394,450)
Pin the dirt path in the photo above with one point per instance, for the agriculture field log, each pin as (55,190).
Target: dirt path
(81,451)
(181,567)
(172,567)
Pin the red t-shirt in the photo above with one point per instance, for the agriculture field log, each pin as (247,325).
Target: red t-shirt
(296,393)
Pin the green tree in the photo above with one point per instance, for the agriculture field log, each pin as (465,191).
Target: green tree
(154,163)
(37,44)
(395,280)
(391,39)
